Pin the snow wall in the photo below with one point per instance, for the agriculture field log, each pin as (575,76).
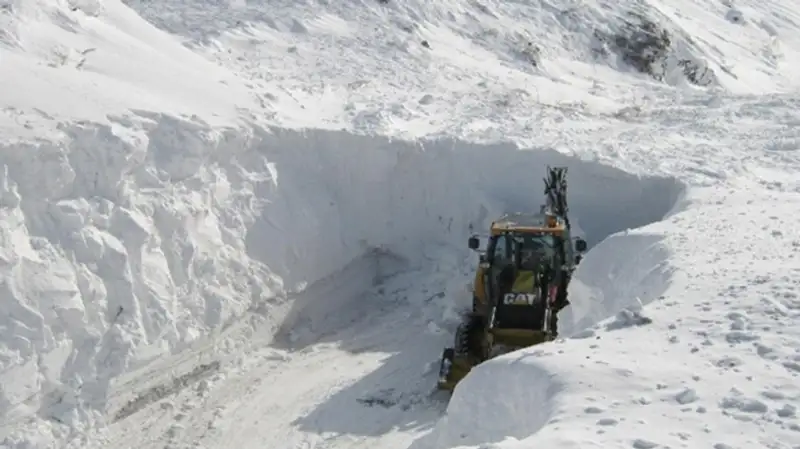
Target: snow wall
(122,244)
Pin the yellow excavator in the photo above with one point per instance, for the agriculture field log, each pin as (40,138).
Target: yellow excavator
(520,284)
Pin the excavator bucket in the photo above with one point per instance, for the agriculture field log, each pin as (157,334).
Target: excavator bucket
(519,338)
(453,368)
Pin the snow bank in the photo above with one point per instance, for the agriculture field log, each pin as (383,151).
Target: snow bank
(628,269)
(476,414)
(419,202)
(364,192)
(104,270)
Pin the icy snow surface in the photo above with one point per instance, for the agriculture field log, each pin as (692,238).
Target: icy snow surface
(243,224)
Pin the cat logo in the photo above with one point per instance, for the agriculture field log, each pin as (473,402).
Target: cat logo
(520,299)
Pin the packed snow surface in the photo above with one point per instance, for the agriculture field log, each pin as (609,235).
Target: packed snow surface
(243,224)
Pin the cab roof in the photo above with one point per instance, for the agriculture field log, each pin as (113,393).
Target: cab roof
(528,222)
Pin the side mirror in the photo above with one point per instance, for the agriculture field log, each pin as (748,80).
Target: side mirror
(474,243)
(580,245)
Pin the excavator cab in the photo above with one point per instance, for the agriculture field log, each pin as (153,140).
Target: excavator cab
(519,281)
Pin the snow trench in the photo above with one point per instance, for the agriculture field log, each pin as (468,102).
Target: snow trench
(517,395)
(131,240)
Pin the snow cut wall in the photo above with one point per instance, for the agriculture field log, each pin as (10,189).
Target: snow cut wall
(120,249)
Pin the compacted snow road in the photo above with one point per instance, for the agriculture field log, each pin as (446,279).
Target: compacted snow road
(365,379)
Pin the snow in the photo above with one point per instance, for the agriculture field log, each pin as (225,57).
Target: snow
(238,224)
(708,364)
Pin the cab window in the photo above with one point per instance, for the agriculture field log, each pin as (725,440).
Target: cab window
(500,255)
(569,253)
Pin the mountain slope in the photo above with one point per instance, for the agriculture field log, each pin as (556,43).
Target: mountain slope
(202,211)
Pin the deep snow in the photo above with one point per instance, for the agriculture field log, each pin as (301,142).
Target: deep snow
(231,236)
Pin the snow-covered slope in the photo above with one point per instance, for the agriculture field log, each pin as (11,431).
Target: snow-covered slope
(213,235)
(487,69)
